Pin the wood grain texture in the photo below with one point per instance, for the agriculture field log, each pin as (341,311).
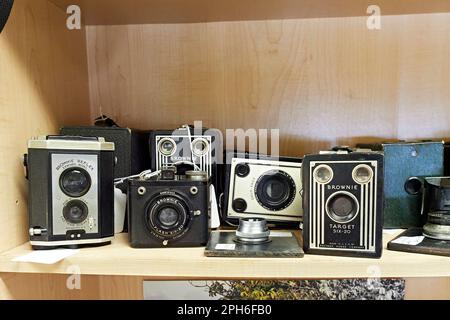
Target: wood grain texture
(322,82)
(48,286)
(121,288)
(43,85)
(119,259)
(54,287)
(427,289)
(119,12)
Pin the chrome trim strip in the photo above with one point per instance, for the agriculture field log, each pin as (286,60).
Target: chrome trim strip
(70,242)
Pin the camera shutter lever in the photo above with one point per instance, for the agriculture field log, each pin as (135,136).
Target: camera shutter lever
(197,213)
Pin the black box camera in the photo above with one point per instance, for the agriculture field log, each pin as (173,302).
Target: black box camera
(71,199)
(343,203)
(131,146)
(169,210)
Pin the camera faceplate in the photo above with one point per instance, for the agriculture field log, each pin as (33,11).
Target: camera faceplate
(343,210)
(179,148)
(265,189)
(343,202)
(77,209)
(171,213)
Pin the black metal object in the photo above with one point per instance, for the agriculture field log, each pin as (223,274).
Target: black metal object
(131,146)
(342,216)
(5,10)
(223,244)
(425,246)
(168,213)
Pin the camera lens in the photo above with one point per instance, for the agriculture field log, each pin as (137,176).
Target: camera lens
(239,205)
(168,217)
(323,174)
(362,174)
(75,182)
(275,190)
(200,147)
(75,211)
(413,186)
(167,147)
(342,207)
(242,170)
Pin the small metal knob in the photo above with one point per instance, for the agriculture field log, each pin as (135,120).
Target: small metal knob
(36,232)
(142,191)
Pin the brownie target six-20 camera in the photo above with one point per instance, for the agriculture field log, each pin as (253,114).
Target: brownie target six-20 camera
(343,203)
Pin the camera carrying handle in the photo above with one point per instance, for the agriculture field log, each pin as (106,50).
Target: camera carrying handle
(105,121)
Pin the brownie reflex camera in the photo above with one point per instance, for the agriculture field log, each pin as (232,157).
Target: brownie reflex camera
(343,203)
(71,199)
(169,210)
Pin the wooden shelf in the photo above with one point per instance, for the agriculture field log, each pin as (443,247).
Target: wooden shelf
(119,12)
(120,259)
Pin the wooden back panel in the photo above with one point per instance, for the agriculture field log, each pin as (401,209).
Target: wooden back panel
(43,85)
(322,82)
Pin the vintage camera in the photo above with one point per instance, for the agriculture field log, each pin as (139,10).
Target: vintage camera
(259,186)
(343,203)
(437,208)
(403,161)
(131,146)
(189,149)
(71,199)
(169,210)
(131,152)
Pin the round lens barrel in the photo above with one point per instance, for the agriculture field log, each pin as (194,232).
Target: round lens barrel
(75,211)
(75,182)
(342,207)
(275,190)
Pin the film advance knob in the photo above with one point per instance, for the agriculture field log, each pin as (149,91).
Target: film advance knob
(36,231)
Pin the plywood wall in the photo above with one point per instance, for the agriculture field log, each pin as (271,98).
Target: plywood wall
(36,286)
(322,81)
(43,85)
(54,287)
